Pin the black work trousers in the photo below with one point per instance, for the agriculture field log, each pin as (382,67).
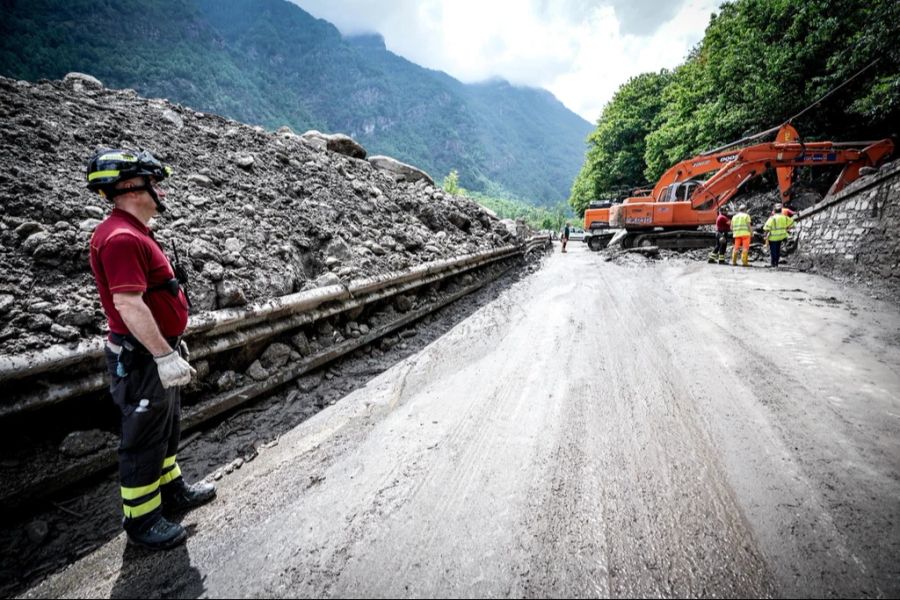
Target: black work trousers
(151,431)
(775,252)
(721,244)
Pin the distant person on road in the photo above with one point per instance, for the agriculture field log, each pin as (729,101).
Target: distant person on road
(723,228)
(776,229)
(564,238)
(742,231)
(147,312)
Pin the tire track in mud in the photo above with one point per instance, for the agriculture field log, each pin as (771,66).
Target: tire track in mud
(567,545)
(443,481)
(816,471)
(665,489)
(562,532)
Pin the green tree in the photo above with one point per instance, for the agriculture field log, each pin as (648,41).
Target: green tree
(615,157)
(451,184)
(759,64)
(560,214)
(763,61)
(537,217)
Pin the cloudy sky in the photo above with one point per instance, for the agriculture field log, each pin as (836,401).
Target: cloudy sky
(581,50)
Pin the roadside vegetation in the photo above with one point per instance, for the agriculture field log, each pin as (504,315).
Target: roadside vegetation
(510,207)
(759,63)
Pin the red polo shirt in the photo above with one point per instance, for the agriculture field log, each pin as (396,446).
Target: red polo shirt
(723,224)
(125,257)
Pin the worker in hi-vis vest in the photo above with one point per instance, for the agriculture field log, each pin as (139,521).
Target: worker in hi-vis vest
(776,229)
(742,231)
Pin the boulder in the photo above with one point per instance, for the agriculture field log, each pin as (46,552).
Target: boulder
(257,372)
(82,81)
(316,139)
(82,443)
(275,356)
(399,171)
(244,161)
(285,132)
(344,144)
(173,117)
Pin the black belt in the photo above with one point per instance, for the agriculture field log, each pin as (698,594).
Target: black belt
(130,342)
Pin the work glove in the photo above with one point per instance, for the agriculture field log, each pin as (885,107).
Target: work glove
(173,370)
(185,352)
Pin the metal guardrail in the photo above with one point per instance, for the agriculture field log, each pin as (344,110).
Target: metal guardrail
(214,332)
(234,327)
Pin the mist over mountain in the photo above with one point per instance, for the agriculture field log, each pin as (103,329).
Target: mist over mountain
(268,62)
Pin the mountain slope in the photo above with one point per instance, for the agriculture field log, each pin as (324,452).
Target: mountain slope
(269,62)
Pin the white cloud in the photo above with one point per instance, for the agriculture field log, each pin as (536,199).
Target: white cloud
(580,50)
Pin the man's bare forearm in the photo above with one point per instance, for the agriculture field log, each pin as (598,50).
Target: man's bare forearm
(140,322)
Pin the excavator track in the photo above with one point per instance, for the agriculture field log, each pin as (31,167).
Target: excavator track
(598,241)
(671,240)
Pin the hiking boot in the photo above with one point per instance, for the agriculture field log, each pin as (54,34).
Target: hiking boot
(161,534)
(178,495)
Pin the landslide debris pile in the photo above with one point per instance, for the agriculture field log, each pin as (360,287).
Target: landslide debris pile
(254,214)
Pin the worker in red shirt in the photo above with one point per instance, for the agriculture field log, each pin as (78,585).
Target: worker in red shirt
(723,228)
(147,312)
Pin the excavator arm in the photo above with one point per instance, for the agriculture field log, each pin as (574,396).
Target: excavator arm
(869,157)
(716,161)
(755,160)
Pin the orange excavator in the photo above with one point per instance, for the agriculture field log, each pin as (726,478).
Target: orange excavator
(676,184)
(669,215)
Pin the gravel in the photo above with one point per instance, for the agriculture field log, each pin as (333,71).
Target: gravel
(253,214)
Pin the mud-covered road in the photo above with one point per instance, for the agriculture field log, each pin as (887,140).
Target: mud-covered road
(639,429)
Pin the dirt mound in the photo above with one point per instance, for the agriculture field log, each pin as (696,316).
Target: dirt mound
(254,214)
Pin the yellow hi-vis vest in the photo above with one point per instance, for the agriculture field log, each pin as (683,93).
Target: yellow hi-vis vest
(740,225)
(777,226)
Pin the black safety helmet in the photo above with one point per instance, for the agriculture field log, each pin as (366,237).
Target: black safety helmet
(109,166)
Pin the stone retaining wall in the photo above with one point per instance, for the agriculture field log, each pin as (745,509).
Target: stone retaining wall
(856,232)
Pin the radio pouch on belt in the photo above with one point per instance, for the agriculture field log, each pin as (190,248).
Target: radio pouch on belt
(126,358)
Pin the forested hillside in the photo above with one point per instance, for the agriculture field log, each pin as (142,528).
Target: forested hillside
(268,62)
(760,63)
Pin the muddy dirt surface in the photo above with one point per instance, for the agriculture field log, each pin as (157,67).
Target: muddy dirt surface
(255,214)
(655,429)
(55,532)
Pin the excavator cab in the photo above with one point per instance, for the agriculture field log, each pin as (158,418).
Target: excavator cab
(597,215)
(600,204)
(680,191)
